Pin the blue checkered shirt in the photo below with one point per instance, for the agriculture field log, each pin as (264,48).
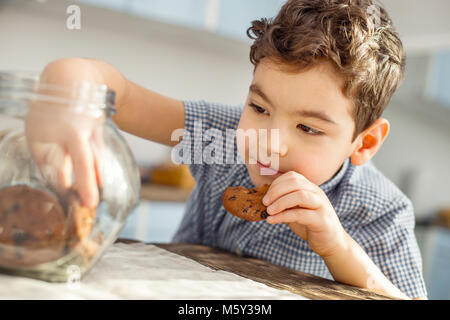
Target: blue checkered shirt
(372,210)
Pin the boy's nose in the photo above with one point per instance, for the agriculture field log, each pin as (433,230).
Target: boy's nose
(273,143)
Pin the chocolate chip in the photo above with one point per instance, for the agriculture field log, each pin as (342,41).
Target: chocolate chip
(264,214)
(232,198)
(252,191)
(13,209)
(20,236)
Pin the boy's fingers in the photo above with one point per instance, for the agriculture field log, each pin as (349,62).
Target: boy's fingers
(64,173)
(302,216)
(97,148)
(53,163)
(287,185)
(83,165)
(301,198)
(98,174)
(286,176)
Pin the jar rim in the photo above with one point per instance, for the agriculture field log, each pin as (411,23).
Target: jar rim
(20,85)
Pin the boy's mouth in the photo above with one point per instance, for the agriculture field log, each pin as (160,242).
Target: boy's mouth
(267,170)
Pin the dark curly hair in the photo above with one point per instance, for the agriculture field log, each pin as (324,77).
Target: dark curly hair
(357,36)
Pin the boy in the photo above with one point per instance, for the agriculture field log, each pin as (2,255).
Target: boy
(324,72)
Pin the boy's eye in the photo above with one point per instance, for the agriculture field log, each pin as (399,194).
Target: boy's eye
(258,109)
(308,130)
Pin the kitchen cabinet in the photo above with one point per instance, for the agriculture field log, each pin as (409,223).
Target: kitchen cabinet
(229,18)
(235,16)
(188,13)
(110,4)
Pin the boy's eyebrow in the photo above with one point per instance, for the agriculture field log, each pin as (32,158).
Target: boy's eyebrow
(305,113)
(316,114)
(257,90)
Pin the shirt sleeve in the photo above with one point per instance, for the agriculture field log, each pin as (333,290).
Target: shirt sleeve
(208,136)
(390,242)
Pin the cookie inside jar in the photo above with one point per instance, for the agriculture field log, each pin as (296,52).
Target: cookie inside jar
(37,227)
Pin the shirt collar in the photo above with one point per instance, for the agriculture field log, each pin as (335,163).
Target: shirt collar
(333,182)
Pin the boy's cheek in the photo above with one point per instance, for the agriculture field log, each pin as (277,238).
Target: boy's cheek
(315,169)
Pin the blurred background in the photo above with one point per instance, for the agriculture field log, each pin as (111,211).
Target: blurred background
(198,49)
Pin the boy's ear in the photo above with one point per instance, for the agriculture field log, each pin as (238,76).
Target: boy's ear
(369,141)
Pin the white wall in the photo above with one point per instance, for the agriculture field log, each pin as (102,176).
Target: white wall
(417,152)
(189,64)
(422,25)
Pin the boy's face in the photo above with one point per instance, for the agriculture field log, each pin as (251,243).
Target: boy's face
(313,117)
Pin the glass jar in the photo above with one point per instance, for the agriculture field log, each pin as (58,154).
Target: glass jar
(46,230)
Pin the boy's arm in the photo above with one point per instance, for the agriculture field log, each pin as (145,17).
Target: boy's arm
(351,265)
(149,115)
(140,111)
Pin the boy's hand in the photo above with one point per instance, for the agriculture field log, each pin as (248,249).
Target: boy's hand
(304,207)
(66,144)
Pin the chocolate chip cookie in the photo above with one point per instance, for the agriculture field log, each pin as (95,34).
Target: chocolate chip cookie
(35,228)
(80,219)
(246,203)
(32,226)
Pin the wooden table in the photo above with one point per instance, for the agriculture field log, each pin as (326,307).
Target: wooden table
(272,275)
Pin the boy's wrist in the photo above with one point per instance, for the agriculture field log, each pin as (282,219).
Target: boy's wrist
(112,78)
(345,257)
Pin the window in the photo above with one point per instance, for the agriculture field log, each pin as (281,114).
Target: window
(439,87)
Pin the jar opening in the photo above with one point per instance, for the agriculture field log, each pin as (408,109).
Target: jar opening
(18,89)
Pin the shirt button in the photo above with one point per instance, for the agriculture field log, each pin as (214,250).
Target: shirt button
(238,252)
